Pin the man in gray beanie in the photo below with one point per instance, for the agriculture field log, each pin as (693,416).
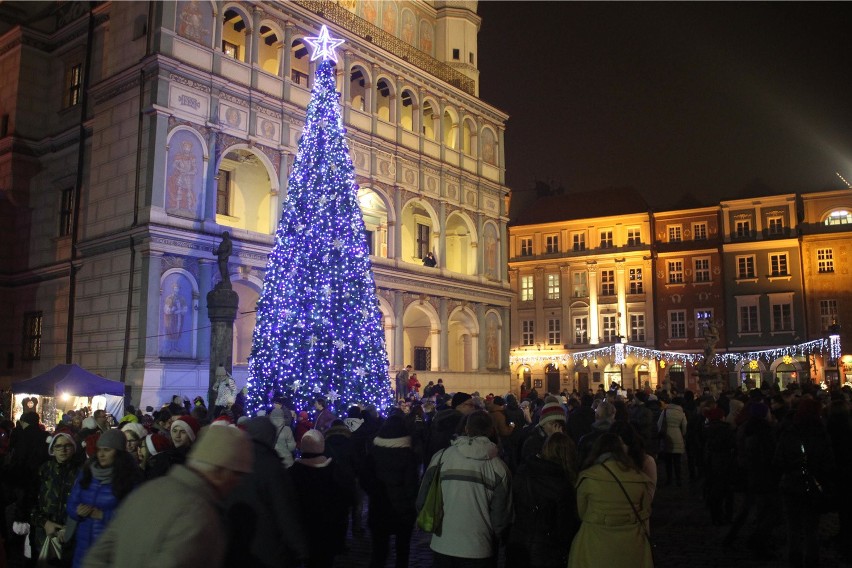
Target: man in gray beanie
(188,497)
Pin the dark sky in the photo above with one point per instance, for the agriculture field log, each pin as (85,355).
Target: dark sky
(712,99)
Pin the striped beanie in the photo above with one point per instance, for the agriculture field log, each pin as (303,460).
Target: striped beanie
(550,412)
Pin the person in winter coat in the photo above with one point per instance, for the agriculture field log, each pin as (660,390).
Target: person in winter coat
(604,418)
(477,496)
(263,518)
(324,493)
(325,416)
(446,422)
(720,462)
(672,428)
(103,483)
(613,528)
(391,482)
(839,428)
(545,503)
(413,386)
(56,478)
(805,458)
(580,420)
(303,424)
(285,442)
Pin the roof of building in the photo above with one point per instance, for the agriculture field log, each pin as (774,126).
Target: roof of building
(583,205)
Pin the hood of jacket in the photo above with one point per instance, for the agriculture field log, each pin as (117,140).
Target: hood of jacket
(475,448)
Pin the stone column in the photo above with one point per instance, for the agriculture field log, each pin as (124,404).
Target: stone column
(621,290)
(594,331)
(482,355)
(152,271)
(443,315)
(398,333)
(222,306)
(442,234)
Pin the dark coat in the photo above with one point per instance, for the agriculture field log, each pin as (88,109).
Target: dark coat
(580,423)
(818,456)
(755,451)
(324,494)
(391,481)
(263,515)
(546,517)
(443,430)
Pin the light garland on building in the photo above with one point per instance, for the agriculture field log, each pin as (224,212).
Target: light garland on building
(619,353)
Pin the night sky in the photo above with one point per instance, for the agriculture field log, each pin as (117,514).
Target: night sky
(716,100)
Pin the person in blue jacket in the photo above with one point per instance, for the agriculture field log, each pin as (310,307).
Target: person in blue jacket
(106,478)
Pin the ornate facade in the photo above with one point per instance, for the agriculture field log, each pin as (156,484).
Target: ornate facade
(191,114)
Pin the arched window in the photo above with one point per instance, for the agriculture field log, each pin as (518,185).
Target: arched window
(469,138)
(839,217)
(418,233)
(406,111)
(460,235)
(384,107)
(269,52)
(489,147)
(463,334)
(243,193)
(451,129)
(430,121)
(358,89)
(234,35)
(375,213)
(300,63)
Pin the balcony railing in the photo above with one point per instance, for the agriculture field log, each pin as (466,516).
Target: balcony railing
(341,16)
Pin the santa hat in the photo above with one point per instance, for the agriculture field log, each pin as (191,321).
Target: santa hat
(136,428)
(91,444)
(189,425)
(89,423)
(61,433)
(223,420)
(156,443)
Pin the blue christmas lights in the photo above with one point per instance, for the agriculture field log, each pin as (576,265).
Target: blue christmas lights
(319,330)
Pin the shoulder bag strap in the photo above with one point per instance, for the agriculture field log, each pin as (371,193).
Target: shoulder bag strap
(632,506)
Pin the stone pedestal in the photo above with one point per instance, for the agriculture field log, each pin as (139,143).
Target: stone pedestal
(711,378)
(222,304)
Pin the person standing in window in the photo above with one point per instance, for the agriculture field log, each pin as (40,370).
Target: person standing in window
(429,260)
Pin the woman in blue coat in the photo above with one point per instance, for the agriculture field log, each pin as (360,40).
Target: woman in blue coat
(104,481)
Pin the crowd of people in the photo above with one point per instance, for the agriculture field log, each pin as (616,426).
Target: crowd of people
(562,479)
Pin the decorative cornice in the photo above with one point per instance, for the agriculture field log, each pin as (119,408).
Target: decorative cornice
(102,96)
(189,83)
(223,96)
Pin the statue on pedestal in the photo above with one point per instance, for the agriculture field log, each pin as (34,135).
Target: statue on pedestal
(223,253)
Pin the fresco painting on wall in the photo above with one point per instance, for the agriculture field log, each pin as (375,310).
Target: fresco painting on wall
(490,252)
(184,175)
(389,17)
(426,37)
(408,26)
(194,21)
(176,322)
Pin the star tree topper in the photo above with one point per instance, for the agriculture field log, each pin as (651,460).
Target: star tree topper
(324,45)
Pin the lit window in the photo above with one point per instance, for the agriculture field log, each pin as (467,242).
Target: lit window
(527,288)
(636,286)
(528,332)
(581,330)
(552,286)
(607,282)
(675,271)
(73,84)
(554,332)
(745,267)
(580,284)
(223,193)
(230,49)
(702,269)
(609,326)
(839,217)
(825,260)
(675,233)
(32,336)
(677,324)
(827,313)
(703,317)
(634,237)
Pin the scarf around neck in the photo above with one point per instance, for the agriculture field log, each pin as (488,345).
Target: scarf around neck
(102,474)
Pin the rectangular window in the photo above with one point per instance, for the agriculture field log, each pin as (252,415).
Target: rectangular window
(825,260)
(634,237)
(527,288)
(675,271)
(526,246)
(223,193)
(607,282)
(422,358)
(745,266)
(528,332)
(230,49)
(699,231)
(701,270)
(552,286)
(637,327)
(580,284)
(422,240)
(782,317)
(703,317)
(73,84)
(778,264)
(554,332)
(608,327)
(606,238)
(675,233)
(32,336)
(551,244)
(677,324)
(827,313)
(743,228)
(579,241)
(636,285)
(581,330)
(775,225)
(66,212)
(749,319)
(456,55)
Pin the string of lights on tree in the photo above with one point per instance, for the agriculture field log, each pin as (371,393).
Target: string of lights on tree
(619,352)
(319,329)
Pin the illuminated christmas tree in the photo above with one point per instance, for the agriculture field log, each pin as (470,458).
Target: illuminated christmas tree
(319,329)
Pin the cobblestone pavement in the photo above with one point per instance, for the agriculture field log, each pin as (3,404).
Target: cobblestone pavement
(680,526)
